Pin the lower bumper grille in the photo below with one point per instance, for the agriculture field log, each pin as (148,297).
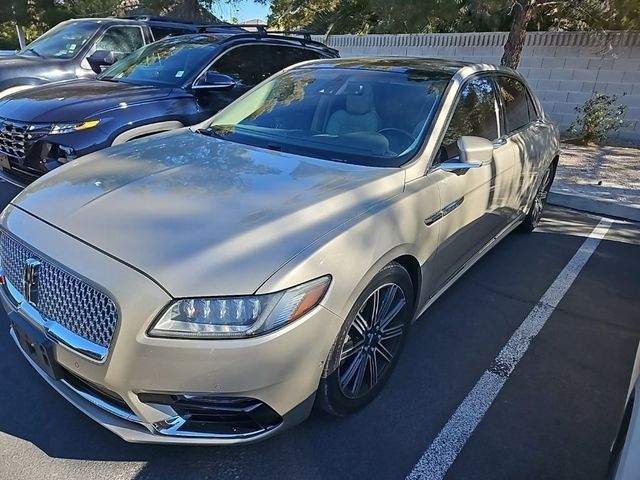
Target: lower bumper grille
(203,416)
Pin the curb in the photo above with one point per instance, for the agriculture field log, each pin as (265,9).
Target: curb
(590,204)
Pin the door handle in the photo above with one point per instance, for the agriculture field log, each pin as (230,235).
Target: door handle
(499,142)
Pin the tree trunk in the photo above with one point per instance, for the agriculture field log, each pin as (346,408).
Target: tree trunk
(522,13)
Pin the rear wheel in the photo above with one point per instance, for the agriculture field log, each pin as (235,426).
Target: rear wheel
(532,219)
(369,344)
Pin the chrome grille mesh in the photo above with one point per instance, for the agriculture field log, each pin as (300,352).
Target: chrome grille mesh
(62,297)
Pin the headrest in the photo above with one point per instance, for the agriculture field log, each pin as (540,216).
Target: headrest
(359,99)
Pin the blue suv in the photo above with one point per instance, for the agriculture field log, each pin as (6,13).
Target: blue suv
(169,84)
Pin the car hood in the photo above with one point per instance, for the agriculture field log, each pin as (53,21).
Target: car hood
(204,216)
(12,66)
(75,100)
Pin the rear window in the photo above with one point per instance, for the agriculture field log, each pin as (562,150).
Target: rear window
(516,102)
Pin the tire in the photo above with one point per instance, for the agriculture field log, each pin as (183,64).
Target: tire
(368,346)
(532,220)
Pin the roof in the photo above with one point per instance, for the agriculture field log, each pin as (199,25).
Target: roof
(395,64)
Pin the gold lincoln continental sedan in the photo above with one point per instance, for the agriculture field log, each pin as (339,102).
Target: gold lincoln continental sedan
(213,284)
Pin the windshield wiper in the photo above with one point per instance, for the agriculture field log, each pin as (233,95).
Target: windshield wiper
(32,51)
(210,132)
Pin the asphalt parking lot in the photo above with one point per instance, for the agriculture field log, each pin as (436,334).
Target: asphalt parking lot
(554,417)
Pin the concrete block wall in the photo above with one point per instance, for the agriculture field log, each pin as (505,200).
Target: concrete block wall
(564,68)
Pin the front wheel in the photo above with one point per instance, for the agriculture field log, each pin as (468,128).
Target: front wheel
(532,219)
(369,344)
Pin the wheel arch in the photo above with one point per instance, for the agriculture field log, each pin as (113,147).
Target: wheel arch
(400,254)
(412,266)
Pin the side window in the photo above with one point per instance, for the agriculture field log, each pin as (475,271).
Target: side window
(162,32)
(278,57)
(121,40)
(242,64)
(474,115)
(533,114)
(515,99)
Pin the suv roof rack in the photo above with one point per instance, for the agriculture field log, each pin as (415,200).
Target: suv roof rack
(307,41)
(262,29)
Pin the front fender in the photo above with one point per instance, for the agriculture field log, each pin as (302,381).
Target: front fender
(354,253)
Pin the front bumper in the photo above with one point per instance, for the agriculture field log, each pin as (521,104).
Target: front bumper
(42,152)
(280,370)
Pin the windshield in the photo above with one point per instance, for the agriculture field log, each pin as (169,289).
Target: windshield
(169,62)
(62,41)
(366,117)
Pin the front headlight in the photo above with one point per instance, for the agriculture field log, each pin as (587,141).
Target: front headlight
(239,316)
(72,127)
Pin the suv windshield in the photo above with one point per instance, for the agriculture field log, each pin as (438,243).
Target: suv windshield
(169,62)
(367,117)
(62,41)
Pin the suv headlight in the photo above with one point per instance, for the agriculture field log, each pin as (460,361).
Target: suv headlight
(72,127)
(228,317)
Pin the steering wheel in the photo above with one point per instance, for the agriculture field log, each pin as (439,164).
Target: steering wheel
(397,138)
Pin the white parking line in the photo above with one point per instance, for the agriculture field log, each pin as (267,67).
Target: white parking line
(438,458)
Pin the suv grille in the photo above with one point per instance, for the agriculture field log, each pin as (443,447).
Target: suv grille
(62,297)
(14,136)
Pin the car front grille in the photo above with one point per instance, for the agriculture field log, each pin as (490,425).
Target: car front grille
(62,297)
(14,136)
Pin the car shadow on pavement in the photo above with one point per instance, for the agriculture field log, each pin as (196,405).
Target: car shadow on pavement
(447,352)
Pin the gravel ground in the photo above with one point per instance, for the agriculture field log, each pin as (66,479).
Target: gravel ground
(607,172)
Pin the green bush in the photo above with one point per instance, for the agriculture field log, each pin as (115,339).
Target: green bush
(597,118)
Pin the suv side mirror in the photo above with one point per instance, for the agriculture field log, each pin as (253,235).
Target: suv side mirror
(214,81)
(99,59)
(474,153)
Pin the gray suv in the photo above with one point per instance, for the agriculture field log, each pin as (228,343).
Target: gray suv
(79,48)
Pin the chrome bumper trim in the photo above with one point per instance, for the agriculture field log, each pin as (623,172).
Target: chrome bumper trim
(107,407)
(171,428)
(14,300)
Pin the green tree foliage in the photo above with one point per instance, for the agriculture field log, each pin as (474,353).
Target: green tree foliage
(415,16)
(37,16)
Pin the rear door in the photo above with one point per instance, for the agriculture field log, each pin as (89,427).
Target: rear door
(473,201)
(522,128)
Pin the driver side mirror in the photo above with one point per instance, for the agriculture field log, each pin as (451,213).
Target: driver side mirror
(101,58)
(214,81)
(474,153)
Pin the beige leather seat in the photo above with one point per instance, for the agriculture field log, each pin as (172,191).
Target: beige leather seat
(359,115)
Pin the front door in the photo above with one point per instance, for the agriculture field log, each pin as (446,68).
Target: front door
(473,201)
